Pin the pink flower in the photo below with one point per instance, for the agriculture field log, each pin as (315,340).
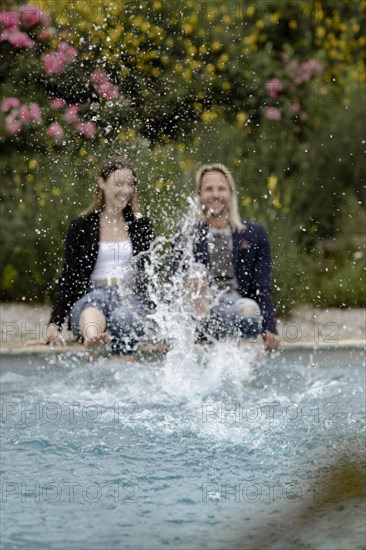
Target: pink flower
(35,112)
(52,63)
(86,129)
(9,19)
(274,87)
(55,62)
(57,103)
(8,103)
(16,38)
(32,15)
(103,85)
(55,131)
(24,114)
(99,76)
(108,91)
(13,127)
(66,52)
(295,107)
(272,113)
(303,72)
(314,67)
(46,34)
(12,116)
(71,114)
(304,116)
(27,113)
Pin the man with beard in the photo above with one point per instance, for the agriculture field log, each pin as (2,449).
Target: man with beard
(231,279)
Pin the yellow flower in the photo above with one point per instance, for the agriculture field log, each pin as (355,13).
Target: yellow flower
(246,201)
(292,24)
(241,118)
(216,46)
(277,203)
(208,116)
(187,75)
(82,152)
(32,164)
(56,191)
(29,178)
(159,185)
(157,5)
(250,11)
(272,182)
(187,28)
(191,50)
(274,17)
(226,86)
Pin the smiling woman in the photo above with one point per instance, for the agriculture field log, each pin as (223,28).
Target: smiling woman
(103,283)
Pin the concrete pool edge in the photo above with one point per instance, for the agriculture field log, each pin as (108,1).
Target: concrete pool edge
(20,349)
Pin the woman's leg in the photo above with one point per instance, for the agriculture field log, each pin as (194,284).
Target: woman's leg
(126,325)
(92,325)
(88,317)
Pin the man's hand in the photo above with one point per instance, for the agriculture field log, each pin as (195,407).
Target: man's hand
(271,340)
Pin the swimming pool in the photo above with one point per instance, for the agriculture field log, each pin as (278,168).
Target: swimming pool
(191,451)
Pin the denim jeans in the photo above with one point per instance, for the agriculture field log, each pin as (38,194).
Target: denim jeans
(125,316)
(228,317)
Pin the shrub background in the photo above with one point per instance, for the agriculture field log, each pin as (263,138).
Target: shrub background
(275,90)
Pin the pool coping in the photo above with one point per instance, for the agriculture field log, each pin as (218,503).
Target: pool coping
(21,349)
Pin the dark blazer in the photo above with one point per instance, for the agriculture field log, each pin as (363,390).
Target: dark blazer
(252,264)
(81,251)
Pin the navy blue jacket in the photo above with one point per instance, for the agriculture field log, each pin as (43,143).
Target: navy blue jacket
(252,264)
(81,251)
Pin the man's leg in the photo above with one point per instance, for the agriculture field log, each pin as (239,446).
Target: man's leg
(246,318)
(234,317)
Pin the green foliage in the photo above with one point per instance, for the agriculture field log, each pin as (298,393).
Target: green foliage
(195,85)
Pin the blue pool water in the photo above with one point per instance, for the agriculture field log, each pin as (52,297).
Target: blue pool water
(189,451)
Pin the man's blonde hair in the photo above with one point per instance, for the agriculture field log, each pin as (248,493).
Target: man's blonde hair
(234,217)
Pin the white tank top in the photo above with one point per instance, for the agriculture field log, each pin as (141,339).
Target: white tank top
(114,260)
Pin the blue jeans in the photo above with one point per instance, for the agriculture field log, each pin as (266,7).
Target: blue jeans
(124,316)
(233,315)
